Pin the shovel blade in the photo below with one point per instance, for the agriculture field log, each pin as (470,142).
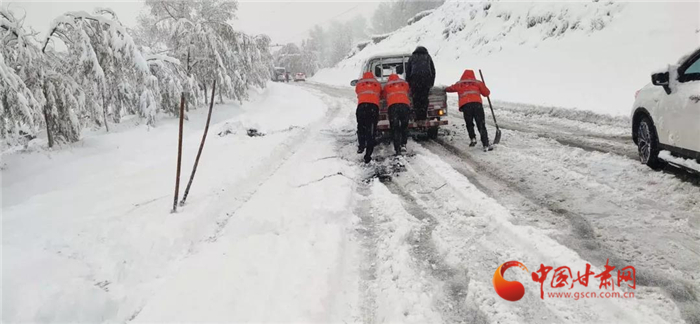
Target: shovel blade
(498,137)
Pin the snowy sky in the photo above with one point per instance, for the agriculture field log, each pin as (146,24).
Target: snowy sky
(283,21)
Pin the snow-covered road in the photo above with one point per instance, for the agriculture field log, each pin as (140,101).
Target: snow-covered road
(573,179)
(292,227)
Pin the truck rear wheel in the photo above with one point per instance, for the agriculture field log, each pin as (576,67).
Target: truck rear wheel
(432,133)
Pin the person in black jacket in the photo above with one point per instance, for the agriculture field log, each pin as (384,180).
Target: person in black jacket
(420,74)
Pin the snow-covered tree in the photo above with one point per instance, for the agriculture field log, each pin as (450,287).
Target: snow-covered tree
(201,30)
(105,59)
(309,59)
(170,81)
(318,44)
(341,42)
(327,47)
(35,84)
(289,57)
(390,16)
(90,68)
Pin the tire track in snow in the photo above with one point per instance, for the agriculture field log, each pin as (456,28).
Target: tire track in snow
(585,239)
(455,281)
(586,141)
(529,245)
(248,187)
(424,201)
(366,230)
(367,233)
(592,142)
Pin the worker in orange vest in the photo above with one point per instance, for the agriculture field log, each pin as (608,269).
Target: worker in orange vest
(368,90)
(470,91)
(395,93)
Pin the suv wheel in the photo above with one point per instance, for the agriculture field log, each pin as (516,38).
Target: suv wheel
(648,143)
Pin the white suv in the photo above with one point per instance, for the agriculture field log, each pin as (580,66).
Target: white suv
(666,113)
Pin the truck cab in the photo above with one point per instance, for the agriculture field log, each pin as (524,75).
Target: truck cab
(382,66)
(280,74)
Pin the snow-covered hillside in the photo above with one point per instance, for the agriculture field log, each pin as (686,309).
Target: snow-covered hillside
(585,55)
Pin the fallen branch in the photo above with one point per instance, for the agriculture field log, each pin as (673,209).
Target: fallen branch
(324,178)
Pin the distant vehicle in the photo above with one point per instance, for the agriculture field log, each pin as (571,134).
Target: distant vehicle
(299,77)
(384,65)
(666,113)
(280,74)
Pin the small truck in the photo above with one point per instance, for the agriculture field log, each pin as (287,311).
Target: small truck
(384,65)
(280,74)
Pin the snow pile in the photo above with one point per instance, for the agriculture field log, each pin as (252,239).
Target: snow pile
(590,56)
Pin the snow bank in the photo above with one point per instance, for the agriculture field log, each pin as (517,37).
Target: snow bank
(590,56)
(81,244)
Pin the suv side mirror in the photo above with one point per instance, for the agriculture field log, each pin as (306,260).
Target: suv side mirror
(660,79)
(353,83)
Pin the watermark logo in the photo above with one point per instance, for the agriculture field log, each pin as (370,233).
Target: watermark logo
(508,290)
(563,278)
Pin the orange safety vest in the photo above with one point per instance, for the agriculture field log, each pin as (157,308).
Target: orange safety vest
(368,89)
(396,91)
(469,88)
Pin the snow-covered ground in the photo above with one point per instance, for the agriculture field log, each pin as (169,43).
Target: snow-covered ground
(87,233)
(292,227)
(573,54)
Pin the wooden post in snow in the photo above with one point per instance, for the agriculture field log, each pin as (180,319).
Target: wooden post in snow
(179,143)
(46,113)
(201,145)
(104,106)
(48,129)
(179,152)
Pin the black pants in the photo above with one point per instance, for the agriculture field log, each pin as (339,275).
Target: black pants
(399,114)
(367,117)
(420,102)
(474,111)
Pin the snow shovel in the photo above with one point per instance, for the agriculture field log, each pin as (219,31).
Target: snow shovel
(498,130)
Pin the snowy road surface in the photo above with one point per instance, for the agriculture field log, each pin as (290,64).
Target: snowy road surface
(291,227)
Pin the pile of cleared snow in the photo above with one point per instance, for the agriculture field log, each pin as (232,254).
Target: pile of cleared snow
(590,56)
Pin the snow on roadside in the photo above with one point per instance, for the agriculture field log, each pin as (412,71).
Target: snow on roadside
(285,255)
(87,230)
(688,163)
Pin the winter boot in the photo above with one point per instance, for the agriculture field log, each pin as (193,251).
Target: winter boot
(403,148)
(472,142)
(488,148)
(360,150)
(368,158)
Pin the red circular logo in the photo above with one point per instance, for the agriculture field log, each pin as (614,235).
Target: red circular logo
(508,290)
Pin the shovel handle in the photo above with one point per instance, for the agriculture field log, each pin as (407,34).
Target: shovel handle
(489,100)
